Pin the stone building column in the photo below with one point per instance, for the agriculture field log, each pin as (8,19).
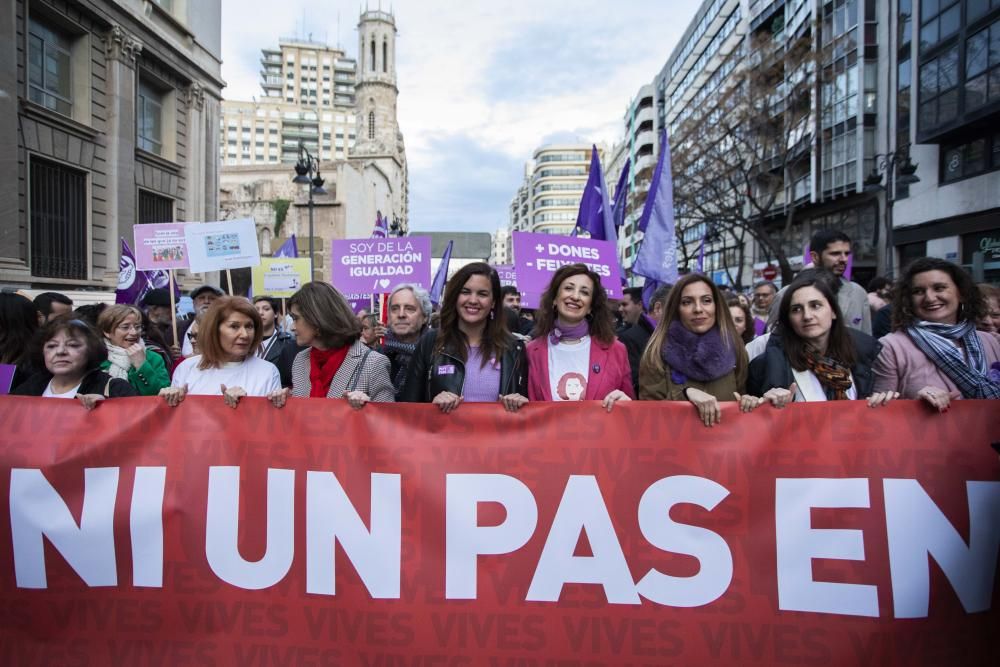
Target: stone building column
(122,50)
(193,98)
(11,224)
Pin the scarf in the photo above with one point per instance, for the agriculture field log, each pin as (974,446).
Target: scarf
(563,330)
(833,375)
(935,340)
(401,353)
(119,360)
(690,356)
(323,365)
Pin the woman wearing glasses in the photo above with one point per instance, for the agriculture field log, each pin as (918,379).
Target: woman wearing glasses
(128,357)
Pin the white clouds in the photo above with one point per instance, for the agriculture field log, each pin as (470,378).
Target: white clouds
(501,75)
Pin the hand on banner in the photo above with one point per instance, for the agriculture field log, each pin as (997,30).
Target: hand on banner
(90,401)
(779,397)
(174,395)
(279,396)
(612,398)
(706,404)
(513,402)
(136,354)
(357,399)
(447,401)
(747,402)
(936,397)
(880,398)
(232,395)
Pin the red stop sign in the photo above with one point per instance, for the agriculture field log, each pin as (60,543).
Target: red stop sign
(769,272)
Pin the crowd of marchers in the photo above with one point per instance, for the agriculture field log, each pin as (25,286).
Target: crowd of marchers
(932,335)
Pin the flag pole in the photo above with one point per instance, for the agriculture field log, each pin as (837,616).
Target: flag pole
(173,306)
(229,280)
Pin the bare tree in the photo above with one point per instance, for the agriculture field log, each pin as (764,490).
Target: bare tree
(741,158)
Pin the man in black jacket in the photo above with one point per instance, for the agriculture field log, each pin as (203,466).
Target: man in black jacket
(277,346)
(409,314)
(637,336)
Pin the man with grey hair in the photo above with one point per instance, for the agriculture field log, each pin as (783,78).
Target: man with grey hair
(409,314)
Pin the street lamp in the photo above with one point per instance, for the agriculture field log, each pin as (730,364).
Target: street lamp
(304,169)
(889,164)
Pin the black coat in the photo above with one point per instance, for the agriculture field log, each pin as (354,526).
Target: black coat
(93,382)
(423,382)
(282,354)
(771,369)
(635,339)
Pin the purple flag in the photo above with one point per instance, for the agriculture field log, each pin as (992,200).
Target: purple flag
(700,266)
(850,266)
(657,256)
(437,287)
(289,248)
(381,230)
(621,196)
(595,211)
(132,283)
(6,378)
(648,289)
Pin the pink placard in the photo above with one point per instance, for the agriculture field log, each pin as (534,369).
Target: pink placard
(160,246)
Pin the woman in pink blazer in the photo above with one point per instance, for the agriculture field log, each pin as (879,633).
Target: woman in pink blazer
(575,355)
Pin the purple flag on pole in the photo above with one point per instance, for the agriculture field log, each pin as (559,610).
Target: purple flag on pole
(437,287)
(595,210)
(289,248)
(657,256)
(132,283)
(381,230)
(621,195)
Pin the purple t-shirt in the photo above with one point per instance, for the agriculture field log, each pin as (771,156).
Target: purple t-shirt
(482,385)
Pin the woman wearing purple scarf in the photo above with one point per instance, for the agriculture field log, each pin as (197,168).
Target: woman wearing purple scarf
(575,355)
(695,353)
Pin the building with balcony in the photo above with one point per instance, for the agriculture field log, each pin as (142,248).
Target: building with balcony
(548,200)
(111,113)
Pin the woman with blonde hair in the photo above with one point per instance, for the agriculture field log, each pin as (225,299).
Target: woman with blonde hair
(229,336)
(128,357)
(695,353)
(336,363)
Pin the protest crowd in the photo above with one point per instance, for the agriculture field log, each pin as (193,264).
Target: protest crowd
(932,335)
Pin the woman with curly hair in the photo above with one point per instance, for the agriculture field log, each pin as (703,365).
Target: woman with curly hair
(575,338)
(934,352)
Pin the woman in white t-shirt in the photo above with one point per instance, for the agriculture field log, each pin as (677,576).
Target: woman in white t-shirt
(575,355)
(229,335)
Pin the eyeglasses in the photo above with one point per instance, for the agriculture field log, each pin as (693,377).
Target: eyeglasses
(192,336)
(129,327)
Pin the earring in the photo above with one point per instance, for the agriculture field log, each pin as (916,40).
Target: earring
(589,317)
(491,314)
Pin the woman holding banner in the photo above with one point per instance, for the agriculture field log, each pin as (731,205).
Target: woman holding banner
(71,353)
(128,357)
(695,353)
(934,352)
(575,355)
(336,363)
(471,357)
(813,355)
(229,336)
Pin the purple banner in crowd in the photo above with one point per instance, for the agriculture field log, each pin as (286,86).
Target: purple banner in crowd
(507,273)
(6,378)
(375,266)
(538,256)
(359,302)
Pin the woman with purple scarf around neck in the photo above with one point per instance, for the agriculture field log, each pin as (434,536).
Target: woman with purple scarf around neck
(695,353)
(574,355)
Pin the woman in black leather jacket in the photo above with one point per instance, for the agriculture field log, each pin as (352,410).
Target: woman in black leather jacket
(813,355)
(471,357)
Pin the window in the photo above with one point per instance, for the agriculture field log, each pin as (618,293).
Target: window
(371,124)
(50,75)
(939,89)
(155,208)
(939,20)
(58,218)
(385,56)
(971,158)
(149,119)
(982,67)
(372,68)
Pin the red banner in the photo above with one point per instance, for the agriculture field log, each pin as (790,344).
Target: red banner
(560,536)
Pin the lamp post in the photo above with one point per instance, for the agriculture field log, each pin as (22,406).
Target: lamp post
(304,170)
(889,164)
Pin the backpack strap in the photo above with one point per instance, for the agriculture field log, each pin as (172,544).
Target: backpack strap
(356,375)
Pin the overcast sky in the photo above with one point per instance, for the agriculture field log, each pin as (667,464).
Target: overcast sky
(481,84)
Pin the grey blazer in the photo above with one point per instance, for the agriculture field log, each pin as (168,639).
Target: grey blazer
(371,378)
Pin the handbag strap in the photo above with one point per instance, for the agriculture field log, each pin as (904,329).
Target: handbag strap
(356,375)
